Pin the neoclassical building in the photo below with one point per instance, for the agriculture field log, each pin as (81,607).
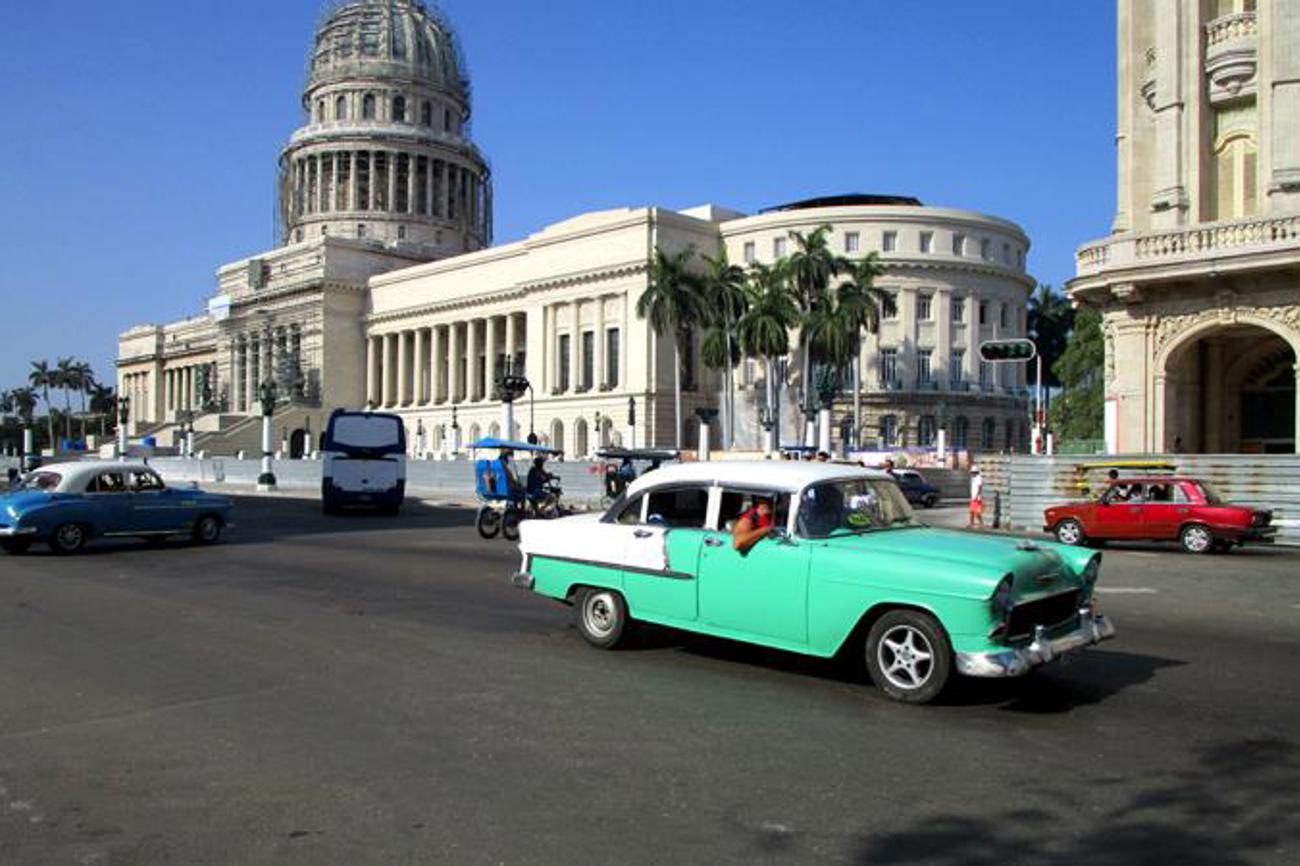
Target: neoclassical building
(1199,280)
(387,292)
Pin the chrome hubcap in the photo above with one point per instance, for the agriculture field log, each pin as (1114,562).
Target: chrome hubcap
(598,614)
(906,657)
(1198,539)
(1068,533)
(69,536)
(208,529)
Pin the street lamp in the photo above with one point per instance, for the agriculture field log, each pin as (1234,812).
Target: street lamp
(455,432)
(767,420)
(419,439)
(123,416)
(631,422)
(267,395)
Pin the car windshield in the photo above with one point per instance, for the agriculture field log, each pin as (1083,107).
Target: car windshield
(41,481)
(853,506)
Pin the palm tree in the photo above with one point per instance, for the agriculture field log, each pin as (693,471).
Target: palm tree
(43,377)
(23,401)
(860,295)
(85,378)
(724,302)
(812,266)
(103,402)
(671,303)
(66,378)
(764,329)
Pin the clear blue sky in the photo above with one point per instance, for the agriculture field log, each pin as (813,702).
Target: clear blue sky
(138,140)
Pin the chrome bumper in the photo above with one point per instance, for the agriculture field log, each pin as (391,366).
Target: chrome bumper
(1093,628)
(12,531)
(522,580)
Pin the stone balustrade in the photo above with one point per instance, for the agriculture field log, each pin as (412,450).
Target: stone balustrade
(1225,238)
(1240,25)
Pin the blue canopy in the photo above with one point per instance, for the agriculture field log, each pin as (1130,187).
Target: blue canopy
(511,445)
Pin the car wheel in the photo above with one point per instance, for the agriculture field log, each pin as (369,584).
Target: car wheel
(908,656)
(16,546)
(930,500)
(602,617)
(207,530)
(488,522)
(68,538)
(1196,538)
(1069,531)
(510,524)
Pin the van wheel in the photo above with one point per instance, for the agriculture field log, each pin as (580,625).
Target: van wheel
(930,500)
(908,656)
(488,522)
(68,538)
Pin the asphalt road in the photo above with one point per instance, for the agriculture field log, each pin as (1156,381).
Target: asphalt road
(364,689)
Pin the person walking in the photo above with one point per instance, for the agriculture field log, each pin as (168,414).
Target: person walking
(976,499)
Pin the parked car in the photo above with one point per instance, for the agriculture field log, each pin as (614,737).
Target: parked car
(66,505)
(847,568)
(1160,508)
(917,490)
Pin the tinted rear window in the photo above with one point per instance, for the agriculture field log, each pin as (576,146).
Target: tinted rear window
(361,431)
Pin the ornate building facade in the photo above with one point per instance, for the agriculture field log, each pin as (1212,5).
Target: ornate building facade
(1199,281)
(387,292)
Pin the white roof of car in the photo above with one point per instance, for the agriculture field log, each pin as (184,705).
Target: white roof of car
(75,476)
(775,474)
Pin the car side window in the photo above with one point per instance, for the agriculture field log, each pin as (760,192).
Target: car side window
(1180,495)
(631,513)
(1159,493)
(107,482)
(146,481)
(679,507)
(734,503)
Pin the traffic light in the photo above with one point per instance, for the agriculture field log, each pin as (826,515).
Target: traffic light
(1020,350)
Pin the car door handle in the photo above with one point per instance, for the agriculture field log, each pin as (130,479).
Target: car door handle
(642,533)
(712,541)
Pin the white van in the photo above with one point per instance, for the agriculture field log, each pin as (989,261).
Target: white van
(363,461)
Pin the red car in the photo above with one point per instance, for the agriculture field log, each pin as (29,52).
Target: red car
(1163,508)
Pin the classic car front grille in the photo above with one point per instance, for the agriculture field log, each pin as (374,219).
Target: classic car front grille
(1047,612)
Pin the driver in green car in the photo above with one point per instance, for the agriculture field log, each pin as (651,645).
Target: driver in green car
(753,525)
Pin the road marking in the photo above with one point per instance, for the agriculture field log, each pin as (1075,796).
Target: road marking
(1129,590)
(1145,553)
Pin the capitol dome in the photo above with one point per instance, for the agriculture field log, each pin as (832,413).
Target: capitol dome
(391,38)
(386,156)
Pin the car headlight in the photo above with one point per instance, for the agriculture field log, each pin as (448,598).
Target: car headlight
(1001,602)
(1092,571)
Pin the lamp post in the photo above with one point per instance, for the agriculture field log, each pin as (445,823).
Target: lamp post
(267,395)
(510,387)
(307,448)
(631,422)
(767,420)
(706,417)
(455,432)
(123,416)
(419,439)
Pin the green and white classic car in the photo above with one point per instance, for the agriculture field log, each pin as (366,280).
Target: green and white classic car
(847,568)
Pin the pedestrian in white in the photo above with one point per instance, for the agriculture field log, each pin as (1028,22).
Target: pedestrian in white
(976,498)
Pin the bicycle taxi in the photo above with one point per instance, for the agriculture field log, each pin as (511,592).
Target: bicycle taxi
(502,490)
(624,465)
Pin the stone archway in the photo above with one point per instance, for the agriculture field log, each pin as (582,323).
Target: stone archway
(557,434)
(1228,386)
(580,438)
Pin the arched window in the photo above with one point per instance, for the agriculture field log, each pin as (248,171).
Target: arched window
(320,111)
(987,433)
(1235,177)
(925,432)
(580,438)
(1011,435)
(888,431)
(368,107)
(399,109)
(341,108)
(426,113)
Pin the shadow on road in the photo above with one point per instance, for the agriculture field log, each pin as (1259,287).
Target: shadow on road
(1238,801)
(1081,680)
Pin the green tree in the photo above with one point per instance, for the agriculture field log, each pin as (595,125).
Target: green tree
(1078,412)
(66,379)
(1050,319)
(862,303)
(671,304)
(103,402)
(723,303)
(43,377)
(811,267)
(764,329)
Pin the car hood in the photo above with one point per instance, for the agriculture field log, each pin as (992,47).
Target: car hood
(966,562)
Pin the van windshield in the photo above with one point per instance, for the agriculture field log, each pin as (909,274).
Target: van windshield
(371,433)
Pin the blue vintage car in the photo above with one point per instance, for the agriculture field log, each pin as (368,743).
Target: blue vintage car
(66,505)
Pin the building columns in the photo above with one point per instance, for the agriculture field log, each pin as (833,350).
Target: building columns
(493,343)
(600,374)
(437,366)
(512,344)
(390,370)
(421,350)
(453,363)
(403,368)
(471,363)
(575,348)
